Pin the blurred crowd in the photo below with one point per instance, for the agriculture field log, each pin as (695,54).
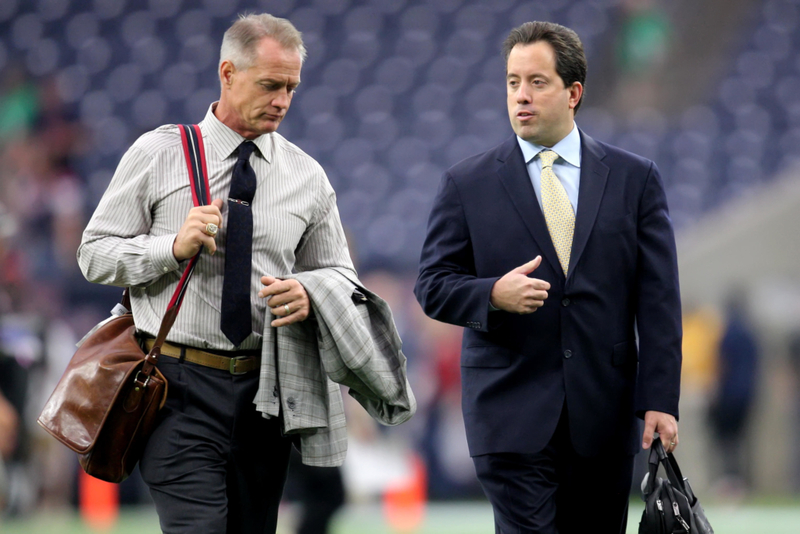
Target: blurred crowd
(42,214)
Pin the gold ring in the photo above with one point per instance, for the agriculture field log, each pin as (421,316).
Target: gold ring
(212,229)
(286,307)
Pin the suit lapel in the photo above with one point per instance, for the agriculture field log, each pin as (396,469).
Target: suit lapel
(517,183)
(594,174)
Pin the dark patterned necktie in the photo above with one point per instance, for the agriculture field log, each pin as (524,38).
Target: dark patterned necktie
(236,321)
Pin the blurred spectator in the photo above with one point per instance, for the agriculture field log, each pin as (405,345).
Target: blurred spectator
(319,491)
(702,330)
(19,104)
(9,423)
(734,397)
(643,41)
(61,135)
(444,443)
(794,361)
(13,378)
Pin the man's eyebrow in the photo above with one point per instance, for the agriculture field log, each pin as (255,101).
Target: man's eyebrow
(278,81)
(531,75)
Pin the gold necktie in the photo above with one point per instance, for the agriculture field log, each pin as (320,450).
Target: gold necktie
(557,209)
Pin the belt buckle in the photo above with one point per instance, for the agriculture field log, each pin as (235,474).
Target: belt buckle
(232,367)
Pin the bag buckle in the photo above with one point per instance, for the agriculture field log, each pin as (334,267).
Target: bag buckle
(232,367)
(137,382)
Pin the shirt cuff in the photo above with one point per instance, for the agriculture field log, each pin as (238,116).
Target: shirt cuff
(161,256)
(492,308)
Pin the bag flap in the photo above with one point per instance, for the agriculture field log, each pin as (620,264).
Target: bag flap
(80,403)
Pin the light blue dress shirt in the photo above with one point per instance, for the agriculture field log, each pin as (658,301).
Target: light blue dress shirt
(567,167)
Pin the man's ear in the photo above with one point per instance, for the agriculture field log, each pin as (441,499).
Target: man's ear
(575,94)
(226,72)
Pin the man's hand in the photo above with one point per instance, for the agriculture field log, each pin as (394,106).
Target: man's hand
(516,293)
(283,293)
(666,426)
(192,234)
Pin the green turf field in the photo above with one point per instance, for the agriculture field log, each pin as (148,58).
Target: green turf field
(462,518)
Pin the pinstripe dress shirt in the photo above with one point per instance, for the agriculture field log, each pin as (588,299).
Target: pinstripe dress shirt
(128,241)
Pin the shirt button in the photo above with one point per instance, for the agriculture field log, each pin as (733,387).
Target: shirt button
(565,302)
(165,269)
(568,354)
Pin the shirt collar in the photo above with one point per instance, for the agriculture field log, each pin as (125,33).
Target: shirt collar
(568,149)
(226,141)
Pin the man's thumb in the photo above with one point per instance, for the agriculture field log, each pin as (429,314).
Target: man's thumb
(217,202)
(529,267)
(648,435)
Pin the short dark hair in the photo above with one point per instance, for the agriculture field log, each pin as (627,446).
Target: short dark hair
(570,59)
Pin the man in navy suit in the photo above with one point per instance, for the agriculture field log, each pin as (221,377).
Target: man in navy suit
(552,399)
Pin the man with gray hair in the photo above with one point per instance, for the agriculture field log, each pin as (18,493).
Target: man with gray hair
(214,464)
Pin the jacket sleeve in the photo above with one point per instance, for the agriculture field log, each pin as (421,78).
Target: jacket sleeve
(658,306)
(447,287)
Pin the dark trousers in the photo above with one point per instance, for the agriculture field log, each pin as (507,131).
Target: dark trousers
(214,464)
(556,491)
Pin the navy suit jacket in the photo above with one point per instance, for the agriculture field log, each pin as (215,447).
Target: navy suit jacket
(581,346)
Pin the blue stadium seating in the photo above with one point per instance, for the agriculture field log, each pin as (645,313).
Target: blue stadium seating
(395,91)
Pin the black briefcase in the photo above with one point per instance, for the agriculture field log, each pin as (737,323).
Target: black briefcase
(670,506)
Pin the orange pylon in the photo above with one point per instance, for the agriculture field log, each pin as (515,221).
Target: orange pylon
(98,501)
(404,503)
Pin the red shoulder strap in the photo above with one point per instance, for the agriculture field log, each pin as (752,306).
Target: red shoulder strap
(194,152)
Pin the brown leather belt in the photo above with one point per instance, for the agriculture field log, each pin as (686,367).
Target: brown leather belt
(236,365)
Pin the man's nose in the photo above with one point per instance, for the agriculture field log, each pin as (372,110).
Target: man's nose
(282,100)
(523,95)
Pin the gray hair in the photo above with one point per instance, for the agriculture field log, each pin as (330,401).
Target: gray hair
(240,41)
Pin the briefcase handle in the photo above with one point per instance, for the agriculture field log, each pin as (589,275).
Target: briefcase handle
(659,455)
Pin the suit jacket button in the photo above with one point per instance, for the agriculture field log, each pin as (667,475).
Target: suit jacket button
(568,354)
(290,403)
(565,302)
